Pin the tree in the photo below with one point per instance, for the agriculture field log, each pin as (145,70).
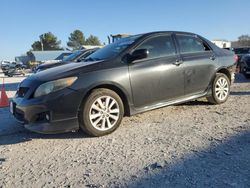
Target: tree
(76,39)
(93,40)
(244,40)
(48,41)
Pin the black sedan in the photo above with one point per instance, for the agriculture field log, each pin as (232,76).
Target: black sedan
(245,65)
(77,56)
(132,75)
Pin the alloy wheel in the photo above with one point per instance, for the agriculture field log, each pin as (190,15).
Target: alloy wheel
(221,89)
(104,113)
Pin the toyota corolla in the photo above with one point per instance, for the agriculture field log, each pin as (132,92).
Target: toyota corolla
(130,76)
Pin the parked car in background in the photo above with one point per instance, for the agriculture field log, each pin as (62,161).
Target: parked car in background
(6,65)
(245,65)
(130,76)
(13,68)
(240,52)
(3,63)
(77,56)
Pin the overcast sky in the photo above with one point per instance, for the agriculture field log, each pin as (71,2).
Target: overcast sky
(22,21)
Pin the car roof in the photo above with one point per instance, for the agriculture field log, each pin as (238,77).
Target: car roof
(168,32)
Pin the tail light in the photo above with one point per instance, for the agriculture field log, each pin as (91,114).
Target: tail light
(236,58)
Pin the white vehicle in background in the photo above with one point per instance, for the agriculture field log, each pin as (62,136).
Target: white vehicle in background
(4,63)
(12,68)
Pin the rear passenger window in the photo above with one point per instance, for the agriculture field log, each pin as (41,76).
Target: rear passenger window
(158,46)
(191,44)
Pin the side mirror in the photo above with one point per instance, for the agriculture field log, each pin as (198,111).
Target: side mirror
(139,54)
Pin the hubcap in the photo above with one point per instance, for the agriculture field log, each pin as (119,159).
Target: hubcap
(104,113)
(221,88)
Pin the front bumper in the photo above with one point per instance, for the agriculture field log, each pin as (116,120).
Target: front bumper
(54,113)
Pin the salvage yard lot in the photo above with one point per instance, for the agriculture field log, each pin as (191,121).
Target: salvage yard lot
(193,144)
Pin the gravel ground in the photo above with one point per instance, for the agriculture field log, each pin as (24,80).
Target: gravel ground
(189,145)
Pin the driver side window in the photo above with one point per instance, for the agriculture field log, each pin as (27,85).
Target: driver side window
(159,46)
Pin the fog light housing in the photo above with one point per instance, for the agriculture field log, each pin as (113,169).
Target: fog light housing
(47,117)
(44,116)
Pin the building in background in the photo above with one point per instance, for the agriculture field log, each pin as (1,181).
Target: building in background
(222,43)
(43,56)
(113,38)
(23,58)
(90,47)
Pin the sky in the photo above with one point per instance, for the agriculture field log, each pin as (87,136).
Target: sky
(22,21)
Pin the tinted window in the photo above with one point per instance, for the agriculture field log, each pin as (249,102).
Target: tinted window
(158,46)
(73,56)
(112,49)
(191,44)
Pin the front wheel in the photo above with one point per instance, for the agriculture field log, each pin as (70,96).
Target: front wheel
(101,113)
(220,89)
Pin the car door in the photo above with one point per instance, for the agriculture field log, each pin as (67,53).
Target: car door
(198,63)
(156,78)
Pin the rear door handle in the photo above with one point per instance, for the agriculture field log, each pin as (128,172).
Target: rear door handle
(178,62)
(212,58)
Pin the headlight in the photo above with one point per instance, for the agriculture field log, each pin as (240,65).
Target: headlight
(53,86)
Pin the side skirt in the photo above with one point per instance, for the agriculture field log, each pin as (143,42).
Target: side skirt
(167,103)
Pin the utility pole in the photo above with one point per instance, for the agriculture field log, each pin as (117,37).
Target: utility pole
(41,41)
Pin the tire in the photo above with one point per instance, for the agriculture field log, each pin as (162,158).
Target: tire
(105,119)
(220,89)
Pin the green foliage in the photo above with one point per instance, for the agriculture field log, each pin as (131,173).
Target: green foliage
(76,39)
(36,46)
(48,41)
(244,40)
(93,40)
(29,53)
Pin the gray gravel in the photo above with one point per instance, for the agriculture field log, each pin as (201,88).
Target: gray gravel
(189,145)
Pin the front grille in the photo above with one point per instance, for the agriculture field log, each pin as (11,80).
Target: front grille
(22,91)
(19,115)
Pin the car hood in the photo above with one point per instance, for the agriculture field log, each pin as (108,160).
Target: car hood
(66,70)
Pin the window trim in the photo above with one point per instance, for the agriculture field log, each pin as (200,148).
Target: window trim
(194,36)
(153,36)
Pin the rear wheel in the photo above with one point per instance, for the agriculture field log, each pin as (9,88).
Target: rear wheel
(220,89)
(101,113)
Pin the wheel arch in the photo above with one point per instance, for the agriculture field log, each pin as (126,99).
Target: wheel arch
(225,71)
(117,89)
(222,70)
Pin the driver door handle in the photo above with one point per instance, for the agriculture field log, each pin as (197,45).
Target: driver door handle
(212,57)
(178,62)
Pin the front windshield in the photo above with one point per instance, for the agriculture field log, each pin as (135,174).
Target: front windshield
(113,49)
(73,56)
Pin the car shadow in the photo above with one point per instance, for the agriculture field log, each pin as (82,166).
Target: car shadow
(223,164)
(195,103)
(240,93)
(23,135)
